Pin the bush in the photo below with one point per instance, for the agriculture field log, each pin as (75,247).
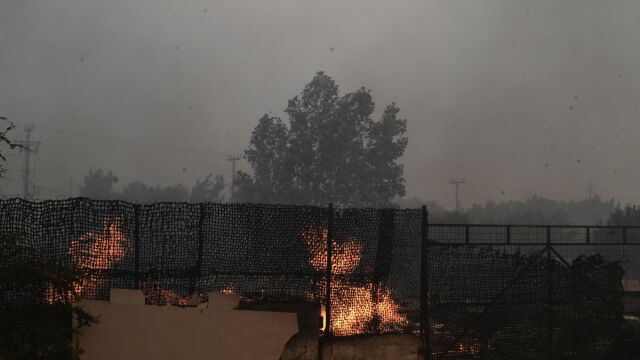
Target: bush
(36,313)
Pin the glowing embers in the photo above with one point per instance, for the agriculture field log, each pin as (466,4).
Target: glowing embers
(160,295)
(354,309)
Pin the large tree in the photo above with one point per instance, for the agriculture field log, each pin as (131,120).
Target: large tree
(332,151)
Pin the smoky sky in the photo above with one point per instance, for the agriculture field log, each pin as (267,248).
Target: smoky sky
(518,97)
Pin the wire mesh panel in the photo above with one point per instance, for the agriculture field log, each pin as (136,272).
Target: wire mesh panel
(375,271)
(558,294)
(491,291)
(261,251)
(94,236)
(175,251)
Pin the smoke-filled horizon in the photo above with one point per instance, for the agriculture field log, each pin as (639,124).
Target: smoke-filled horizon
(517,97)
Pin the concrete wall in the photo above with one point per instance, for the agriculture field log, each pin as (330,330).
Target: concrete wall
(130,330)
(378,347)
(305,345)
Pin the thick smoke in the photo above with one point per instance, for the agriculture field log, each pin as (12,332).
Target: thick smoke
(518,97)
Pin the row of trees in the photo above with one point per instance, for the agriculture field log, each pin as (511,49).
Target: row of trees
(331,150)
(534,210)
(101,185)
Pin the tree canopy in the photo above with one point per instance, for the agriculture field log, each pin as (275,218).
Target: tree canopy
(627,216)
(331,151)
(100,185)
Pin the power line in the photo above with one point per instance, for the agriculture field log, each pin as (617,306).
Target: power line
(130,143)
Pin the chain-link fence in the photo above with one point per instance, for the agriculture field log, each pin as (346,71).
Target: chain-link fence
(368,285)
(531,292)
(470,291)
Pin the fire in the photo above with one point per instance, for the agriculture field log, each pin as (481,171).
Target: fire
(98,250)
(154,290)
(354,309)
(346,256)
(229,290)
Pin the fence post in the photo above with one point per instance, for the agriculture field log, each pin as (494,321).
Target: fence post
(425,320)
(588,235)
(466,233)
(198,269)
(549,269)
(136,244)
(327,306)
(382,265)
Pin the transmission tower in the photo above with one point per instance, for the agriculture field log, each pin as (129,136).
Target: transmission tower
(233,158)
(457,183)
(28,147)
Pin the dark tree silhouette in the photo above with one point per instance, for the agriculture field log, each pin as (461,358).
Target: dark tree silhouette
(331,151)
(100,185)
(139,192)
(627,216)
(4,139)
(208,190)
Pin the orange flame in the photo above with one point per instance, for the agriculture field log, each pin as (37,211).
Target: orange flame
(353,308)
(98,250)
(229,290)
(155,290)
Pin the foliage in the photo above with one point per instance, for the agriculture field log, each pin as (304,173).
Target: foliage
(627,216)
(535,210)
(585,319)
(139,192)
(100,185)
(449,217)
(539,211)
(32,325)
(332,151)
(208,190)
(415,203)
(4,139)
(601,283)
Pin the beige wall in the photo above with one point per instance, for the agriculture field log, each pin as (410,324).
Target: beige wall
(129,330)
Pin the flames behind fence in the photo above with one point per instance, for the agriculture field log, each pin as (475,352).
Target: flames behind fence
(356,308)
(264,252)
(487,295)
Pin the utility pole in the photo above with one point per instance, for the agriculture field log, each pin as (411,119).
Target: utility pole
(28,147)
(457,183)
(233,158)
